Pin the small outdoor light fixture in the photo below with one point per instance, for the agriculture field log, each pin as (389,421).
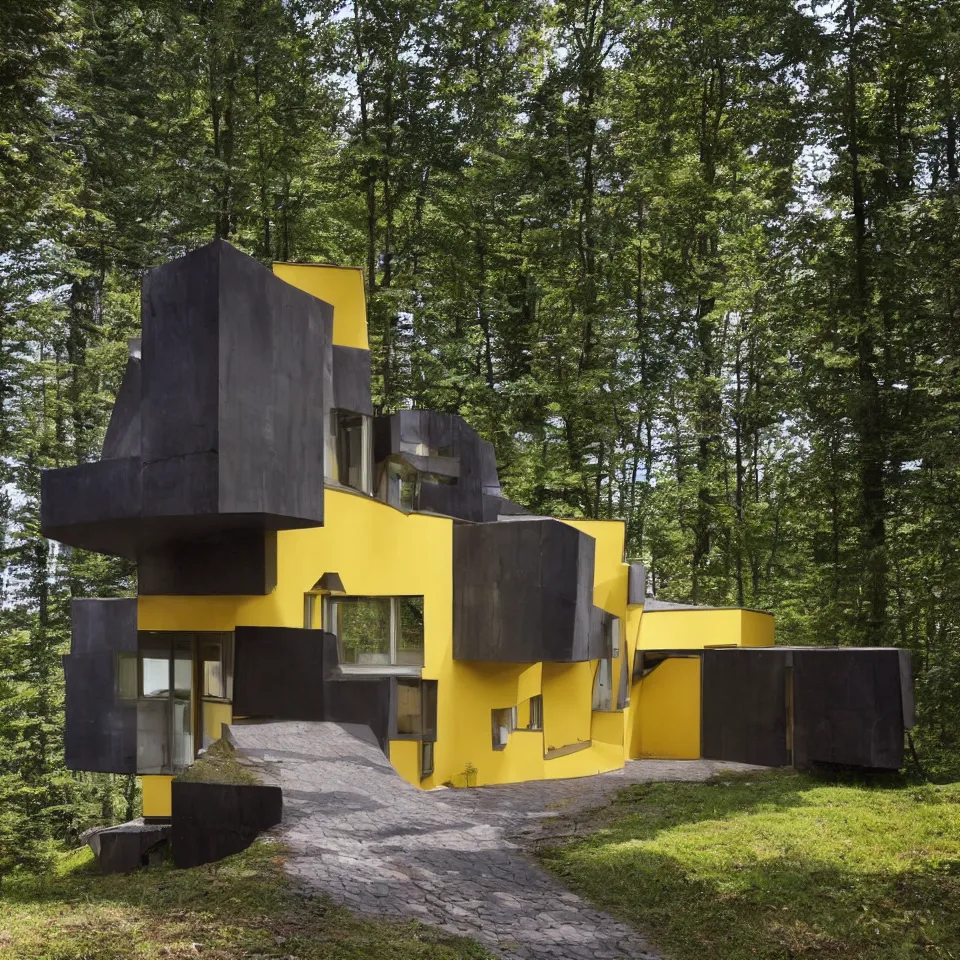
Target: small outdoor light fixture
(329,583)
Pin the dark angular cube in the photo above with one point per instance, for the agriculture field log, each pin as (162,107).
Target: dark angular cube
(217,436)
(523,592)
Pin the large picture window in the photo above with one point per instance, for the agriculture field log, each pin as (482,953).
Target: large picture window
(171,677)
(377,631)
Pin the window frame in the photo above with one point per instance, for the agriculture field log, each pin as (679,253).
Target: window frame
(538,700)
(495,727)
(427,770)
(333,471)
(331,625)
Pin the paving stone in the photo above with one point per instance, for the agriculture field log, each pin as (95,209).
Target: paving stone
(359,833)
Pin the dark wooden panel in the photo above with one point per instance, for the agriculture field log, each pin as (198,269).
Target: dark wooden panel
(744,706)
(270,425)
(100,729)
(123,432)
(230,408)
(637,584)
(180,313)
(279,673)
(211,821)
(237,563)
(848,708)
(523,592)
(351,380)
(362,700)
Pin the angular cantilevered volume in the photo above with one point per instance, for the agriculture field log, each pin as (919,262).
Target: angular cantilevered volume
(216,440)
(523,592)
(100,731)
(436,463)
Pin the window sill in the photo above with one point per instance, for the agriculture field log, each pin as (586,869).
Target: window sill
(379,670)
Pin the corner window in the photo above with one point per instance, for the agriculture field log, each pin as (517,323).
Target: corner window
(377,631)
(352,449)
(171,677)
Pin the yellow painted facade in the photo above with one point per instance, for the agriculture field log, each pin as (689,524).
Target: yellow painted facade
(666,721)
(342,288)
(380,550)
(156,796)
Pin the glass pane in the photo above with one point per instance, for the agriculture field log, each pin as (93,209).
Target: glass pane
(213,675)
(156,676)
(183,669)
(330,471)
(351,461)
(363,629)
(182,734)
(153,736)
(536,713)
(408,707)
(410,631)
(127,676)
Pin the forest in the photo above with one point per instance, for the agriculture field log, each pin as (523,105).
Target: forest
(694,265)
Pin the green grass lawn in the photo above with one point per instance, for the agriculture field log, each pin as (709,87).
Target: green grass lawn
(777,865)
(244,909)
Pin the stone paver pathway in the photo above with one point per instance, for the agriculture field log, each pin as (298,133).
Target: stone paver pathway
(453,858)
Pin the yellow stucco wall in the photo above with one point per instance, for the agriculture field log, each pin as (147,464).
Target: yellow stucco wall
(757,629)
(696,629)
(667,714)
(155,792)
(342,288)
(215,715)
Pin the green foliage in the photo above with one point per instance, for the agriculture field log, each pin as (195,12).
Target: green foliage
(244,908)
(219,764)
(693,265)
(778,865)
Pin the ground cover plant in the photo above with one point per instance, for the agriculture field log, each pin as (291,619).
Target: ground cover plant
(243,907)
(776,865)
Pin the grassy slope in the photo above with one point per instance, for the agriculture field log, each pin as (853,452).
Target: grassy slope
(244,909)
(778,865)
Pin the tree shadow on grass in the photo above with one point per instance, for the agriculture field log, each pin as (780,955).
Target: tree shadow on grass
(642,810)
(749,889)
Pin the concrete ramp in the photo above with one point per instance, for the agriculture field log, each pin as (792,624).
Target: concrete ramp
(361,834)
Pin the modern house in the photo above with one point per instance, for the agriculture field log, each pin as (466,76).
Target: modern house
(300,558)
